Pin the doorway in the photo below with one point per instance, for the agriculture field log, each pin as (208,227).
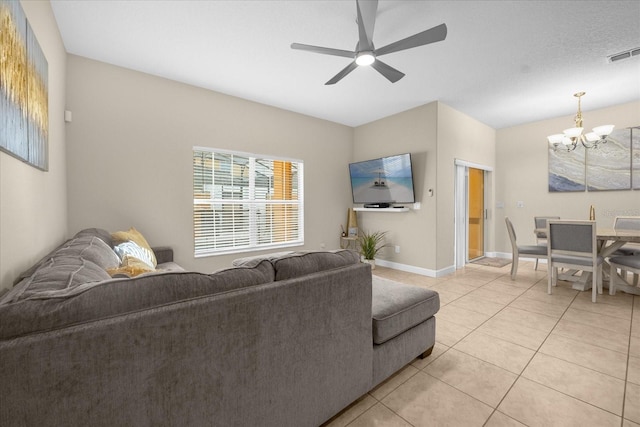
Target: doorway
(476,213)
(471,212)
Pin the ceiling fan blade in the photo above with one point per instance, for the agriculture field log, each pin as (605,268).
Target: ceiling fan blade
(323,50)
(388,71)
(431,35)
(346,70)
(366,22)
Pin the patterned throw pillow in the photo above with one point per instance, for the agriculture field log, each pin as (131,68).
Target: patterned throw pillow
(133,250)
(133,235)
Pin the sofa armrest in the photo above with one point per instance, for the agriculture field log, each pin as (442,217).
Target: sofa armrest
(163,254)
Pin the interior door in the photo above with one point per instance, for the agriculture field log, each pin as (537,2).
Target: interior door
(475,204)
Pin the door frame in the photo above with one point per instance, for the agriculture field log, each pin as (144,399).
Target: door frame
(461,209)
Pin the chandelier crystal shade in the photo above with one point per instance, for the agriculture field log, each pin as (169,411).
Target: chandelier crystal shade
(569,138)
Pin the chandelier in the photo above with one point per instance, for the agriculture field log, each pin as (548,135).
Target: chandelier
(568,140)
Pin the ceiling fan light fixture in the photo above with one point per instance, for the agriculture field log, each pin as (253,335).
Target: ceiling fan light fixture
(365,53)
(365,58)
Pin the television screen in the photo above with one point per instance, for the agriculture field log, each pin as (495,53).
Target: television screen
(386,180)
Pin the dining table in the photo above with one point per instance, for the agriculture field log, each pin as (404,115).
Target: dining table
(609,241)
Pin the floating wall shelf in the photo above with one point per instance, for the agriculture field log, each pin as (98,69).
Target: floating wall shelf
(381,209)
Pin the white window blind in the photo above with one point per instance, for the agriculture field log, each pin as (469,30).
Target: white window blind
(245,202)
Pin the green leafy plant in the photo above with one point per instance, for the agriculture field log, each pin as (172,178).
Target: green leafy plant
(371,243)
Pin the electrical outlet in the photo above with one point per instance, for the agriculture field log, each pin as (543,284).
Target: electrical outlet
(397,249)
(322,245)
(519,204)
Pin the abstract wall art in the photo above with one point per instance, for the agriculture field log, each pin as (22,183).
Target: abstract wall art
(614,165)
(635,158)
(567,170)
(609,165)
(24,100)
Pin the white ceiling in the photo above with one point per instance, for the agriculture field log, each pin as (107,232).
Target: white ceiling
(503,62)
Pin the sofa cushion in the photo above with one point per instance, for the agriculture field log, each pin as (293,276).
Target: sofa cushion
(37,265)
(397,307)
(90,243)
(103,235)
(298,264)
(252,261)
(168,266)
(58,277)
(112,297)
(92,249)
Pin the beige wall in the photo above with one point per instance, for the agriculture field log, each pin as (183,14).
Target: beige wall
(33,203)
(126,161)
(522,175)
(130,155)
(414,132)
(464,138)
(435,134)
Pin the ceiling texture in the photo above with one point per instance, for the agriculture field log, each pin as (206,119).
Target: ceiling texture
(503,63)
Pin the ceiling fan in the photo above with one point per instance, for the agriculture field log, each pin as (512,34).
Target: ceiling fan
(365,52)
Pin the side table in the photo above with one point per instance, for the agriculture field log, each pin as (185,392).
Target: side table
(349,243)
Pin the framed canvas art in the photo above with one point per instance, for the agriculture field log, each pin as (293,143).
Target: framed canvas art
(609,165)
(567,170)
(24,100)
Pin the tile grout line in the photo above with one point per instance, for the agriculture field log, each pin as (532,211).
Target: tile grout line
(529,362)
(537,351)
(441,354)
(626,374)
(476,328)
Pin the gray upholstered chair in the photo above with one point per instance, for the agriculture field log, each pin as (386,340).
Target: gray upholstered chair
(541,236)
(627,223)
(573,245)
(625,263)
(530,251)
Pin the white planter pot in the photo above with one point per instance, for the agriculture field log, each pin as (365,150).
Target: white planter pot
(371,262)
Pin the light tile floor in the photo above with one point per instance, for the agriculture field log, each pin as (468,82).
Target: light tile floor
(509,354)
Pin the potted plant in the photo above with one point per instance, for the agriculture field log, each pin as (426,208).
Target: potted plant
(370,245)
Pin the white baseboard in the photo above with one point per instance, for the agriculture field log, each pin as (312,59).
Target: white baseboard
(444,271)
(508,255)
(417,270)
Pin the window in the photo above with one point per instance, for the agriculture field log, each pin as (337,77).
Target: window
(245,202)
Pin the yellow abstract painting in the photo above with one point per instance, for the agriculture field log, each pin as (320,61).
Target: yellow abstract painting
(24,103)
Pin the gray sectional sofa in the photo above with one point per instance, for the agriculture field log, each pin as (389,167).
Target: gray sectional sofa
(287,340)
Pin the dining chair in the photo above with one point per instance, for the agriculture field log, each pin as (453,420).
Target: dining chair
(627,223)
(573,245)
(526,251)
(627,263)
(541,236)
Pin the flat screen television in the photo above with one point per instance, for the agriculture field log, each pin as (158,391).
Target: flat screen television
(382,182)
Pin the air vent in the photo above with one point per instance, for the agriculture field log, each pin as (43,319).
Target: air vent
(624,55)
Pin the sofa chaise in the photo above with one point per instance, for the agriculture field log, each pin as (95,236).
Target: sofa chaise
(286,340)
